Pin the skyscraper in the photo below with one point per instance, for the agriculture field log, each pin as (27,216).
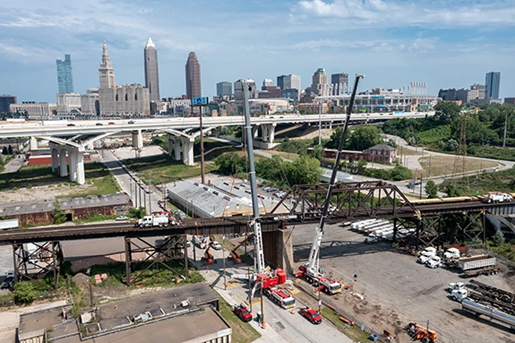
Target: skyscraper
(340,83)
(192,76)
(291,81)
(64,75)
(320,85)
(267,83)
(106,70)
(492,81)
(151,70)
(224,88)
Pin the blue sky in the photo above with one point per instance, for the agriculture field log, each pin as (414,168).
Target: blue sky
(445,43)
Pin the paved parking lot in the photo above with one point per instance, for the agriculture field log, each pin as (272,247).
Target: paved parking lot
(397,290)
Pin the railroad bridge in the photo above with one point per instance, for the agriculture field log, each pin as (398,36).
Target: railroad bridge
(349,202)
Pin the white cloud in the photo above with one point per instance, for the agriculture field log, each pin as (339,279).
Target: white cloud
(398,13)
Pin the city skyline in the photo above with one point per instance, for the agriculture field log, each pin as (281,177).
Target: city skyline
(439,45)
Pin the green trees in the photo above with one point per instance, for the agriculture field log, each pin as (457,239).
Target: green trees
(446,112)
(231,163)
(137,213)
(498,238)
(431,189)
(304,170)
(400,173)
(363,137)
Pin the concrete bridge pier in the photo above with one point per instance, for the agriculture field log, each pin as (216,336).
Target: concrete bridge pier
(62,162)
(255,131)
(54,151)
(278,249)
(187,150)
(76,158)
(33,143)
(137,139)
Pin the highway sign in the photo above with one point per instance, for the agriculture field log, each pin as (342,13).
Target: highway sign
(199,101)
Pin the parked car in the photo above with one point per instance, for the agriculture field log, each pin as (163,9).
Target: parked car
(311,315)
(111,123)
(70,124)
(121,218)
(130,122)
(243,313)
(99,124)
(216,245)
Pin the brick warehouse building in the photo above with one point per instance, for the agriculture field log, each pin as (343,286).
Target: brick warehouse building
(378,153)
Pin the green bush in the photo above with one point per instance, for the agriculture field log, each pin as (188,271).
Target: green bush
(25,292)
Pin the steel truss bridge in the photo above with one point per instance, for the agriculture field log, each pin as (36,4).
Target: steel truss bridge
(350,201)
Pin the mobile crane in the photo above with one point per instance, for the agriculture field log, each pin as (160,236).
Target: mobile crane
(234,255)
(311,271)
(262,277)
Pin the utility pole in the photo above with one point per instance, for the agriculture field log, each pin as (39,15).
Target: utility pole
(223,256)
(505,127)
(319,123)
(201,102)
(263,324)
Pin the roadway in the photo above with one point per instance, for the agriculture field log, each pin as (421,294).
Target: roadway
(61,128)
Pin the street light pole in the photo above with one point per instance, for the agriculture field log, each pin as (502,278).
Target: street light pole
(201,147)
(319,123)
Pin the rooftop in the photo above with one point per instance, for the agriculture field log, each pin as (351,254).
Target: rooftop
(382,147)
(118,199)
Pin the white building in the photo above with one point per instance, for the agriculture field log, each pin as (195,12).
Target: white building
(43,109)
(238,89)
(68,102)
(89,102)
(291,81)
(120,100)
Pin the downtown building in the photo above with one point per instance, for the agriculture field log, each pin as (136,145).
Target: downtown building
(5,102)
(151,70)
(193,86)
(493,85)
(340,83)
(64,75)
(124,100)
(320,83)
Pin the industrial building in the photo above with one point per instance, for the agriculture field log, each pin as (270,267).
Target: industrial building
(40,212)
(213,200)
(180,314)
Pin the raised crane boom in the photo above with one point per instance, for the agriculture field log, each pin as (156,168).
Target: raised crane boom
(259,260)
(313,262)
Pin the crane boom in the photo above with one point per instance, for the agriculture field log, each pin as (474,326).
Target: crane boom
(313,262)
(259,260)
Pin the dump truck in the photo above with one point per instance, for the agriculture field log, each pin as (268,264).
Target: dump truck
(478,265)
(155,220)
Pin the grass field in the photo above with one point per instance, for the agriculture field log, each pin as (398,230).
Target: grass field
(441,165)
(31,176)
(502,181)
(241,332)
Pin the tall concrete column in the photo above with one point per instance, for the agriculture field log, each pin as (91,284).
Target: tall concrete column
(81,175)
(72,157)
(137,139)
(255,131)
(62,162)
(177,148)
(271,133)
(264,133)
(171,144)
(187,151)
(55,162)
(33,143)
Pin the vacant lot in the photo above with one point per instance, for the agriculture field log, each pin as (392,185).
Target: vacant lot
(39,183)
(441,165)
(397,290)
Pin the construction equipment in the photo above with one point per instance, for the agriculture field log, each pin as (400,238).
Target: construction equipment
(280,296)
(234,255)
(418,332)
(311,271)
(208,256)
(262,276)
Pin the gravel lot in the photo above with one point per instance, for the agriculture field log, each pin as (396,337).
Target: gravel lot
(397,290)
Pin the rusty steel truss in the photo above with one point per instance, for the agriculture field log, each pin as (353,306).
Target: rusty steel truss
(350,201)
(38,261)
(141,255)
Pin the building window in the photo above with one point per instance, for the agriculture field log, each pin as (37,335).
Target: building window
(116,97)
(126,97)
(136,96)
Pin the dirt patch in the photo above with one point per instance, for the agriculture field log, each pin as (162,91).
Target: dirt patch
(42,192)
